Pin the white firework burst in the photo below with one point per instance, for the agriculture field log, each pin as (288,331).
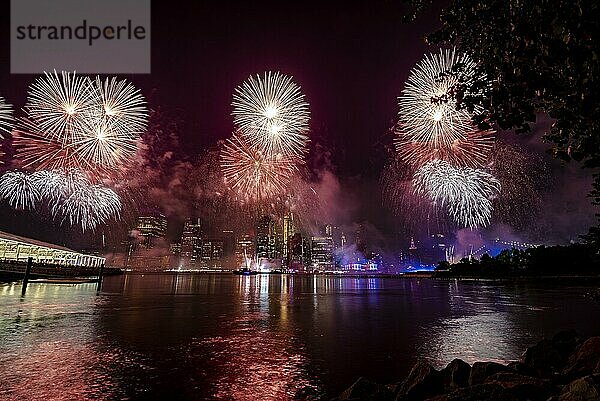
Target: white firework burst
(88,205)
(428,110)
(272,114)
(121,106)
(58,104)
(103,144)
(466,192)
(75,122)
(19,189)
(6,117)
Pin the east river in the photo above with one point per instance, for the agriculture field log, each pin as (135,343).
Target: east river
(265,337)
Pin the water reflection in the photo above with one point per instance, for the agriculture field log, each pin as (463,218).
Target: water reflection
(265,337)
(48,348)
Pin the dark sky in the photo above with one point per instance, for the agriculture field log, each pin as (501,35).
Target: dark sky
(350,60)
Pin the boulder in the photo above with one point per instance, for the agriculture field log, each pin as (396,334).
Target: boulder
(422,382)
(584,389)
(441,397)
(586,360)
(482,370)
(549,357)
(456,374)
(521,368)
(366,390)
(522,386)
(482,392)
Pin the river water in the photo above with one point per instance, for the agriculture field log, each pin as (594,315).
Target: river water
(277,337)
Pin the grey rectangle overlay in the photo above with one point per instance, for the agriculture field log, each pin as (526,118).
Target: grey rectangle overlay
(87,36)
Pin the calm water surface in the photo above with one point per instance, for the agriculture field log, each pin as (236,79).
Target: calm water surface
(279,337)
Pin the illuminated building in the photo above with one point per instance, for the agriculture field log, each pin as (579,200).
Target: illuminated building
(359,240)
(148,249)
(412,253)
(212,253)
(14,248)
(299,253)
(149,262)
(175,249)
(244,247)
(191,242)
(438,248)
(266,238)
(321,253)
(150,228)
(228,242)
(288,232)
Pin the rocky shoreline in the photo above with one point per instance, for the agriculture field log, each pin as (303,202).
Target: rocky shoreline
(563,368)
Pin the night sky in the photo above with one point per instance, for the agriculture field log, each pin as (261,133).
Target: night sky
(351,62)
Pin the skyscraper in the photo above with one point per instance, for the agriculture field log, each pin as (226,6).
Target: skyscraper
(212,253)
(288,232)
(228,243)
(266,238)
(151,228)
(321,253)
(299,252)
(412,253)
(191,241)
(244,248)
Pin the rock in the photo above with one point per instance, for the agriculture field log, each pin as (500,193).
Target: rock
(456,374)
(523,387)
(521,368)
(422,382)
(366,390)
(441,397)
(549,357)
(482,370)
(482,392)
(584,389)
(586,360)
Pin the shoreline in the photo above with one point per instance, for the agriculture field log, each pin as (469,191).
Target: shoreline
(426,275)
(9,277)
(563,368)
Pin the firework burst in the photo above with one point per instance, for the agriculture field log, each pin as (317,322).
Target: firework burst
(121,106)
(466,192)
(58,104)
(19,189)
(68,194)
(6,121)
(6,117)
(428,109)
(89,206)
(472,151)
(71,196)
(103,145)
(73,122)
(251,173)
(36,149)
(271,113)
